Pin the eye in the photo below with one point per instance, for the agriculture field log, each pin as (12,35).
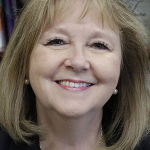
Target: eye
(55,42)
(100,45)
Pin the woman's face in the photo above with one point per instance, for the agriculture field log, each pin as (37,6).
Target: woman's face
(75,66)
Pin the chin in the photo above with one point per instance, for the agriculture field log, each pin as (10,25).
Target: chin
(75,112)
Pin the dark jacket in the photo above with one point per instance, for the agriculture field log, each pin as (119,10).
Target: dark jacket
(6,143)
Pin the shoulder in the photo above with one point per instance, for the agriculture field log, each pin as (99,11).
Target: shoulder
(6,143)
(145,144)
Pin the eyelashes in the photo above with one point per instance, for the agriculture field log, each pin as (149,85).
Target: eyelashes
(55,42)
(99,45)
(60,42)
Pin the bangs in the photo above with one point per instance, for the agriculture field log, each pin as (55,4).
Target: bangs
(57,9)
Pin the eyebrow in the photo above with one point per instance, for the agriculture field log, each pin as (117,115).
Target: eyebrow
(95,33)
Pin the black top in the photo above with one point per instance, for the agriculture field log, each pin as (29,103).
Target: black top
(6,143)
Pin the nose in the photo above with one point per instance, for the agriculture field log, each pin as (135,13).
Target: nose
(77,60)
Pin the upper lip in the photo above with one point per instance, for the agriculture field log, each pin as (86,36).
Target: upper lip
(74,81)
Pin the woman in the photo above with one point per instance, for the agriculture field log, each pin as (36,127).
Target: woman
(73,77)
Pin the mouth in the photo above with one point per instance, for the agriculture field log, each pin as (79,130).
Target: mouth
(74,84)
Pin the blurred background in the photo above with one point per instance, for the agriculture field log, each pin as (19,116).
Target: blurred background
(141,8)
(9,10)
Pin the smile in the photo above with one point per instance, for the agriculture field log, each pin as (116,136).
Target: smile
(73,85)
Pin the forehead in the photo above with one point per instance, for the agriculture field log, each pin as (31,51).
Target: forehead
(82,11)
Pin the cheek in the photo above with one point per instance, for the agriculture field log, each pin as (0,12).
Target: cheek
(108,69)
(42,63)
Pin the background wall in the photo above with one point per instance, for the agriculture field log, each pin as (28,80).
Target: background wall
(142,9)
(9,10)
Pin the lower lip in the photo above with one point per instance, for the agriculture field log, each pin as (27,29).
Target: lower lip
(74,88)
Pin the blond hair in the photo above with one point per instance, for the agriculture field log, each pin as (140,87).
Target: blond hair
(129,118)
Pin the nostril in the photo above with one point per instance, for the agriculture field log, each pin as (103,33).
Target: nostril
(77,63)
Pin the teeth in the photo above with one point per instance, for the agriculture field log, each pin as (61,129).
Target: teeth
(63,82)
(80,84)
(67,83)
(77,84)
(71,84)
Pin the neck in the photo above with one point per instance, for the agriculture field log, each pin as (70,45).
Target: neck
(70,133)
